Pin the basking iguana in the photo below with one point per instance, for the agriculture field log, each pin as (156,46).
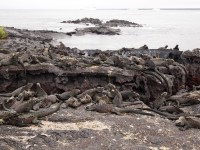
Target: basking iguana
(32,117)
(26,106)
(18,91)
(187,122)
(109,108)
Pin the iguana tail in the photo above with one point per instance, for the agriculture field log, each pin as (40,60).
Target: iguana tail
(128,110)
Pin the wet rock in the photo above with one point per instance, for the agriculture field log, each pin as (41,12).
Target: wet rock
(121,23)
(86,21)
(21,39)
(102,30)
(110,23)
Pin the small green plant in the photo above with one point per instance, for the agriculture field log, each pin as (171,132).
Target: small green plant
(3,33)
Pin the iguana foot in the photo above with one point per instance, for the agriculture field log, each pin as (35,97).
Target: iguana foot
(39,123)
(36,121)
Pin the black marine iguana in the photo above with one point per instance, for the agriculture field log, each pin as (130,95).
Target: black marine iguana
(109,108)
(32,117)
(18,91)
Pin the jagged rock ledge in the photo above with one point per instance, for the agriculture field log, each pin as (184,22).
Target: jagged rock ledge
(101,30)
(86,21)
(121,23)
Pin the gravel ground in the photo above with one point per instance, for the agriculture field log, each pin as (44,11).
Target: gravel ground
(80,129)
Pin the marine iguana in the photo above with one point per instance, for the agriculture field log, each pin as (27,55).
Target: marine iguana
(157,105)
(8,60)
(109,108)
(147,71)
(117,100)
(101,97)
(27,119)
(188,98)
(25,95)
(176,48)
(18,91)
(163,48)
(39,90)
(45,100)
(151,65)
(7,114)
(26,106)
(171,109)
(158,102)
(130,95)
(169,115)
(91,92)
(171,64)
(17,101)
(68,94)
(86,99)
(165,114)
(144,47)
(187,123)
(13,59)
(73,102)
(137,84)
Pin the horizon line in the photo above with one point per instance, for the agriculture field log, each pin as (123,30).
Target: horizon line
(93,8)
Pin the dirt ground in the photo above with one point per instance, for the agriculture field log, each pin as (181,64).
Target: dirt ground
(80,129)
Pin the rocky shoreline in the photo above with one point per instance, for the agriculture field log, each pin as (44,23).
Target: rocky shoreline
(68,89)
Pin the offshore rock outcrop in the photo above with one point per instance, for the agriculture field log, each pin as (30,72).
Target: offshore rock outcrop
(86,21)
(101,30)
(110,23)
(121,23)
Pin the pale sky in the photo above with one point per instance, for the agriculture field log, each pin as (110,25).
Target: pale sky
(77,4)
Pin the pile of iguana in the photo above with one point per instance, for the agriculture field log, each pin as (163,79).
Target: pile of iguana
(18,106)
(22,106)
(159,70)
(25,105)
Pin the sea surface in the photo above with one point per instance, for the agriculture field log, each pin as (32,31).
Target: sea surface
(161,27)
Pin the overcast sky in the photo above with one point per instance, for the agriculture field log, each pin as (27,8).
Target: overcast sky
(77,4)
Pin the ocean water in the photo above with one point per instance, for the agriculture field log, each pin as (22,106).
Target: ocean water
(161,27)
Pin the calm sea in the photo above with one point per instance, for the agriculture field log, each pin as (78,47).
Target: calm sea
(161,27)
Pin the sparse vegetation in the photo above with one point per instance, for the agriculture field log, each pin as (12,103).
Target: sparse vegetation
(3,33)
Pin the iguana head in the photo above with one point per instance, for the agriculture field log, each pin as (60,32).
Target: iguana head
(181,121)
(111,86)
(91,107)
(164,94)
(100,89)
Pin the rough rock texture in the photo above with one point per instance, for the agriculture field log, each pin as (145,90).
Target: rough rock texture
(121,23)
(85,21)
(110,23)
(21,39)
(102,30)
(100,27)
